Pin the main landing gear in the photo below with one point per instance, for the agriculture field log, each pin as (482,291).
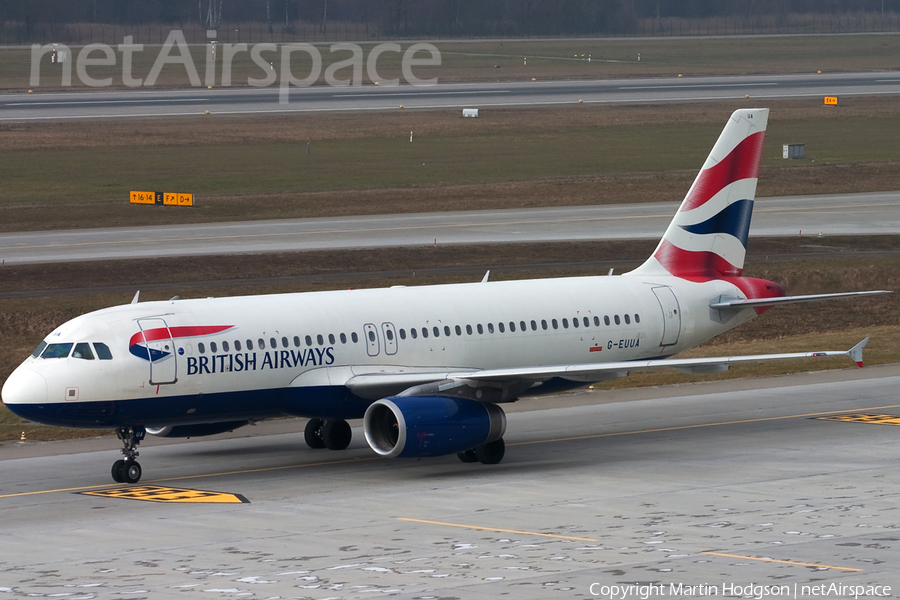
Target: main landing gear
(334,434)
(128,470)
(487,454)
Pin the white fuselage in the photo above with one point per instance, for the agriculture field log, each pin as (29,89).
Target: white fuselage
(255,356)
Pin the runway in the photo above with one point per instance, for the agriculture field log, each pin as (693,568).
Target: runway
(53,106)
(845,214)
(725,483)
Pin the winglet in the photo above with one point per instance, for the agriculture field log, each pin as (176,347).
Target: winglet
(137,295)
(856,352)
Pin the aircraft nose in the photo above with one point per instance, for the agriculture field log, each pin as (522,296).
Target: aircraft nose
(24,386)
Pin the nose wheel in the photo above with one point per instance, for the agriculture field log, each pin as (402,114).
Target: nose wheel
(128,470)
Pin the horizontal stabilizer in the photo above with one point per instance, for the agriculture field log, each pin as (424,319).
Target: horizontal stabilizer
(738,303)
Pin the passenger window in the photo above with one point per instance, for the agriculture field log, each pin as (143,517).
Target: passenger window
(522,325)
(616,318)
(574,322)
(437,332)
(56,351)
(544,324)
(331,337)
(402,334)
(262,344)
(354,337)
(596,321)
(565,323)
(388,334)
(213,348)
(83,351)
(321,340)
(458,330)
(512,326)
(637,318)
(37,351)
(469,329)
(587,323)
(533,325)
(224,346)
(249,344)
(102,350)
(344,337)
(606,320)
(447,330)
(413,333)
(284,342)
(554,323)
(627,319)
(237,345)
(501,327)
(201,348)
(480,329)
(273,343)
(424,332)
(371,336)
(490,328)
(309,340)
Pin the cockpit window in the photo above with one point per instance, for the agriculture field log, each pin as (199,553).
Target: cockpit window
(39,349)
(56,350)
(103,352)
(83,351)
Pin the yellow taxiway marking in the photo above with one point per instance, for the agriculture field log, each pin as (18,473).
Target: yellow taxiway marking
(480,528)
(155,493)
(784,562)
(199,476)
(697,426)
(864,418)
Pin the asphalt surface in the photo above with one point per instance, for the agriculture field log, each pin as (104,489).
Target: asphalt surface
(719,484)
(844,214)
(41,106)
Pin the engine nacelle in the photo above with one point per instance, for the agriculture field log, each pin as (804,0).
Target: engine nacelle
(419,426)
(196,430)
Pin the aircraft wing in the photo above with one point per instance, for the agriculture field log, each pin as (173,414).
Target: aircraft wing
(384,384)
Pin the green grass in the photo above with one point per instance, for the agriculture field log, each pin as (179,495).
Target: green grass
(490,61)
(78,175)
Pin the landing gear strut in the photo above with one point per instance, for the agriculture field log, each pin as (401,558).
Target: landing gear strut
(334,434)
(128,470)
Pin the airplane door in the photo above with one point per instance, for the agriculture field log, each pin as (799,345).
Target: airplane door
(370,332)
(671,315)
(160,351)
(390,338)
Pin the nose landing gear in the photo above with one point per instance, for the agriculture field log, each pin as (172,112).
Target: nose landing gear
(128,470)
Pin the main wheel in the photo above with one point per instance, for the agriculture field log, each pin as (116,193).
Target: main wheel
(118,471)
(313,433)
(131,472)
(491,453)
(469,456)
(336,434)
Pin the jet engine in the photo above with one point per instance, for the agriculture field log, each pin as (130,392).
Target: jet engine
(420,426)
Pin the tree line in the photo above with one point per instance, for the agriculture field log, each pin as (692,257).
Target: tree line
(424,17)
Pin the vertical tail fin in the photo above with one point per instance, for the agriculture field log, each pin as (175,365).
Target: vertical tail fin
(708,236)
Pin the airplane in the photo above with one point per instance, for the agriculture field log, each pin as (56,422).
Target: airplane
(427,368)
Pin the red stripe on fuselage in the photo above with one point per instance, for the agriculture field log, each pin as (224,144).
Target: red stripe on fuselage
(741,163)
(162,333)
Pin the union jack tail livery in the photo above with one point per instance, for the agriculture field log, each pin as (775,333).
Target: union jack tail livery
(707,239)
